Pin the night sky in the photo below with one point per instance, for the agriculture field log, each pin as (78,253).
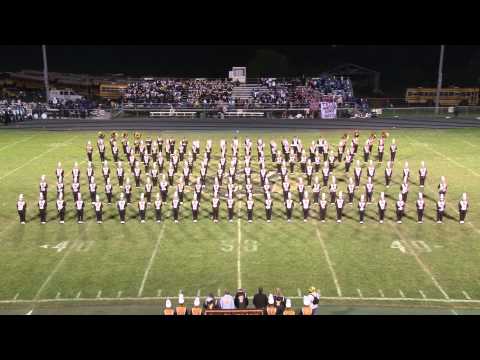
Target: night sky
(400,66)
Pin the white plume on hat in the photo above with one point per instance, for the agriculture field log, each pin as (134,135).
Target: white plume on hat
(181,299)
(270,299)
(288,303)
(168,304)
(196,302)
(306,301)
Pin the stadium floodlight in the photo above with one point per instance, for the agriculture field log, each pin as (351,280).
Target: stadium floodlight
(45,71)
(439,83)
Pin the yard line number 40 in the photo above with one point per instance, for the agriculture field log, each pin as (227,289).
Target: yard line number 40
(419,245)
(81,246)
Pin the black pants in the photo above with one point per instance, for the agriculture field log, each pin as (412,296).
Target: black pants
(305,213)
(392,155)
(381,214)
(122,214)
(269,213)
(309,180)
(215,213)
(80,215)
(120,180)
(317,168)
(347,166)
(250,214)
(325,180)
(93,196)
(115,157)
(399,215)
(366,156)
(141,213)
(22,215)
(439,215)
(230,213)
(333,197)
(61,215)
(404,196)
(105,178)
(289,213)
(340,156)
(163,194)
(137,181)
(300,195)
(109,198)
(387,180)
(99,215)
(195,214)
(362,214)
(316,197)
(350,197)
(357,180)
(149,196)
(102,156)
(369,196)
(420,214)
(380,156)
(199,195)
(158,214)
(89,156)
(323,213)
(463,214)
(43,215)
(175,213)
(325,156)
(339,213)
(422,180)
(129,198)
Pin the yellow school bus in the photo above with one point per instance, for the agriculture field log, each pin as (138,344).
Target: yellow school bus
(112,90)
(453,96)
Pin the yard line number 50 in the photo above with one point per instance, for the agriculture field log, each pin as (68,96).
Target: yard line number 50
(248,245)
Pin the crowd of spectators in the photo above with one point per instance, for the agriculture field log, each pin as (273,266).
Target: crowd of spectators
(192,92)
(17,110)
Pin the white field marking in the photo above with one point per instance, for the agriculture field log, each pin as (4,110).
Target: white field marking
(79,294)
(319,293)
(422,293)
(16,142)
(150,263)
(327,257)
(119,294)
(359,293)
(419,261)
(401,293)
(16,296)
(239,254)
(381,293)
(198,293)
(57,267)
(218,292)
(99,294)
(454,312)
(299,292)
(469,143)
(159,292)
(466,295)
(339,298)
(30,312)
(35,158)
(58,295)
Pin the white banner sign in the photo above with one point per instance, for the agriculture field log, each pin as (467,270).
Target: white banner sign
(328,110)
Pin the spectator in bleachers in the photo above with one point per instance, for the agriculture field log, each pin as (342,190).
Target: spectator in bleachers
(210,302)
(227,301)
(241,299)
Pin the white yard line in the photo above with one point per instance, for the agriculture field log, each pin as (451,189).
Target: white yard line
(159,292)
(57,267)
(150,263)
(239,254)
(36,157)
(339,298)
(454,312)
(17,142)
(419,261)
(466,295)
(469,143)
(299,292)
(327,257)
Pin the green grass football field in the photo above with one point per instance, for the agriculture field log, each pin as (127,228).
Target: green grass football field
(405,264)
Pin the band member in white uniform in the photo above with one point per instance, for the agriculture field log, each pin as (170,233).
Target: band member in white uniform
(142,208)
(463,208)
(289,206)
(393,151)
(250,204)
(158,208)
(400,207)
(350,190)
(388,174)
(357,171)
(121,206)
(316,190)
(175,207)
(120,173)
(369,189)
(79,206)
(43,186)
(22,209)
(98,207)
(60,187)
(90,171)
(333,190)
(371,169)
(404,188)
(382,207)
(61,207)
(268,207)
(406,171)
(323,207)
(93,189)
(440,209)
(59,172)
(108,191)
(215,207)
(442,187)
(305,206)
(362,205)
(128,191)
(422,173)
(148,190)
(420,203)
(339,205)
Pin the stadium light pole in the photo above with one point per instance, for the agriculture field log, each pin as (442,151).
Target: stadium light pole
(45,71)
(439,83)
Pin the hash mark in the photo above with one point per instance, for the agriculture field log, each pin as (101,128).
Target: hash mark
(159,293)
(16,296)
(119,294)
(359,293)
(78,295)
(381,293)
(421,293)
(466,295)
(401,293)
(58,296)
(99,294)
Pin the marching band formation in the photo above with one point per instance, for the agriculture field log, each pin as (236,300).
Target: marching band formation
(156,164)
